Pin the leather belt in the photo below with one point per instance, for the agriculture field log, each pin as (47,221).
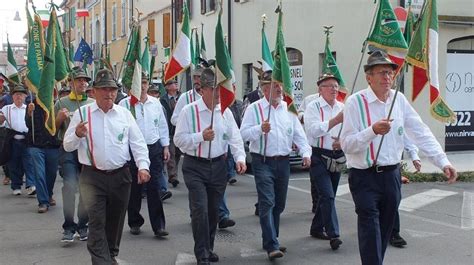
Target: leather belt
(107,172)
(380,169)
(202,159)
(276,158)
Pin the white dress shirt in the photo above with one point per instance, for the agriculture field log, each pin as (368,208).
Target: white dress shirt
(110,136)
(285,130)
(183,100)
(15,118)
(195,118)
(360,143)
(150,119)
(305,104)
(316,123)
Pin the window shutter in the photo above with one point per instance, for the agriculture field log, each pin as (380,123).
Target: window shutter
(166,30)
(212,5)
(203,7)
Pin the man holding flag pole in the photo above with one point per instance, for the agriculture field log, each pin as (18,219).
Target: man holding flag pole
(271,135)
(374,179)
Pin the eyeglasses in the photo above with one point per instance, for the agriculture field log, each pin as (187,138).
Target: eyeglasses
(383,73)
(330,86)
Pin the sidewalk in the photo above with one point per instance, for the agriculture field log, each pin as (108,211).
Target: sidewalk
(462,161)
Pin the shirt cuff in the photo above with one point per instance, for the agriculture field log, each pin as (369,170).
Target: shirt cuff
(143,165)
(165,142)
(198,137)
(324,126)
(443,162)
(368,134)
(240,159)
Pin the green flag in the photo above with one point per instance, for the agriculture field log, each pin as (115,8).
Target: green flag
(11,71)
(61,59)
(45,95)
(146,57)
(35,60)
(387,34)
(203,44)
(132,75)
(330,67)
(152,67)
(267,60)
(281,66)
(193,50)
(197,47)
(409,25)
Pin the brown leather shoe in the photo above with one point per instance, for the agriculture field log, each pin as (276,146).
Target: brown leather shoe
(52,202)
(6,181)
(42,208)
(275,254)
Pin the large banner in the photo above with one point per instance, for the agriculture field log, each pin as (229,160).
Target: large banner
(295,58)
(460,97)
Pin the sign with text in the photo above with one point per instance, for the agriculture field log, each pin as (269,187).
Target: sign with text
(295,58)
(460,97)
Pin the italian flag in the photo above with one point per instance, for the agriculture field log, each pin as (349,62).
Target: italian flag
(224,72)
(387,34)
(11,71)
(202,50)
(181,58)
(281,68)
(267,60)
(82,13)
(44,15)
(330,67)
(423,56)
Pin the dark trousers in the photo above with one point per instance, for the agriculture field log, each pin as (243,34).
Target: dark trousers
(206,182)
(172,165)
(105,197)
(325,217)
(396,225)
(376,196)
(155,205)
(71,169)
(271,180)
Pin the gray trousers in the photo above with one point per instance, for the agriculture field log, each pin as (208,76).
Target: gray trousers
(105,197)
(206,183)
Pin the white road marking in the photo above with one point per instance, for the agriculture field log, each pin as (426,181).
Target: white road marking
(419,200)
(299,179)
(184,259)
(250,252)
(343,190)
(122,262)
(467,211)
(420,234)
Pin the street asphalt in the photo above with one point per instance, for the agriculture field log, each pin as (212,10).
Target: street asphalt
(436,220)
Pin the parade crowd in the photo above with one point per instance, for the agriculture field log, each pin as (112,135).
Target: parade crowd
(111,152)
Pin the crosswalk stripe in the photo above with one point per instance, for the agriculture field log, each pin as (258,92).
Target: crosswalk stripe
(419,200)
(184,259)
(467,211)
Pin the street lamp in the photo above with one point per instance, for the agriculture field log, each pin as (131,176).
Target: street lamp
(17,16)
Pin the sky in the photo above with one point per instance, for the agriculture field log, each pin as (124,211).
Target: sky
(16,29)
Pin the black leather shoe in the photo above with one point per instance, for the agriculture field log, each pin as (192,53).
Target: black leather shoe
(335,243)
(135,230)
(282,249)
(161,233)
(213,257)
(226,222)
(203,262)
(320,235)
(397,241)
(174,182)
(166,195)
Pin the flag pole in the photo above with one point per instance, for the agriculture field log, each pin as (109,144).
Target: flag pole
(364,47)
(264,18)
(396,84)
(212,113)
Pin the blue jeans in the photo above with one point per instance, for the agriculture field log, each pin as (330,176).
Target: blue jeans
(163,180)
(71,169)
(224,212)
(20,164)
(230,165)
(326,183)
(45,165)
(271,179)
